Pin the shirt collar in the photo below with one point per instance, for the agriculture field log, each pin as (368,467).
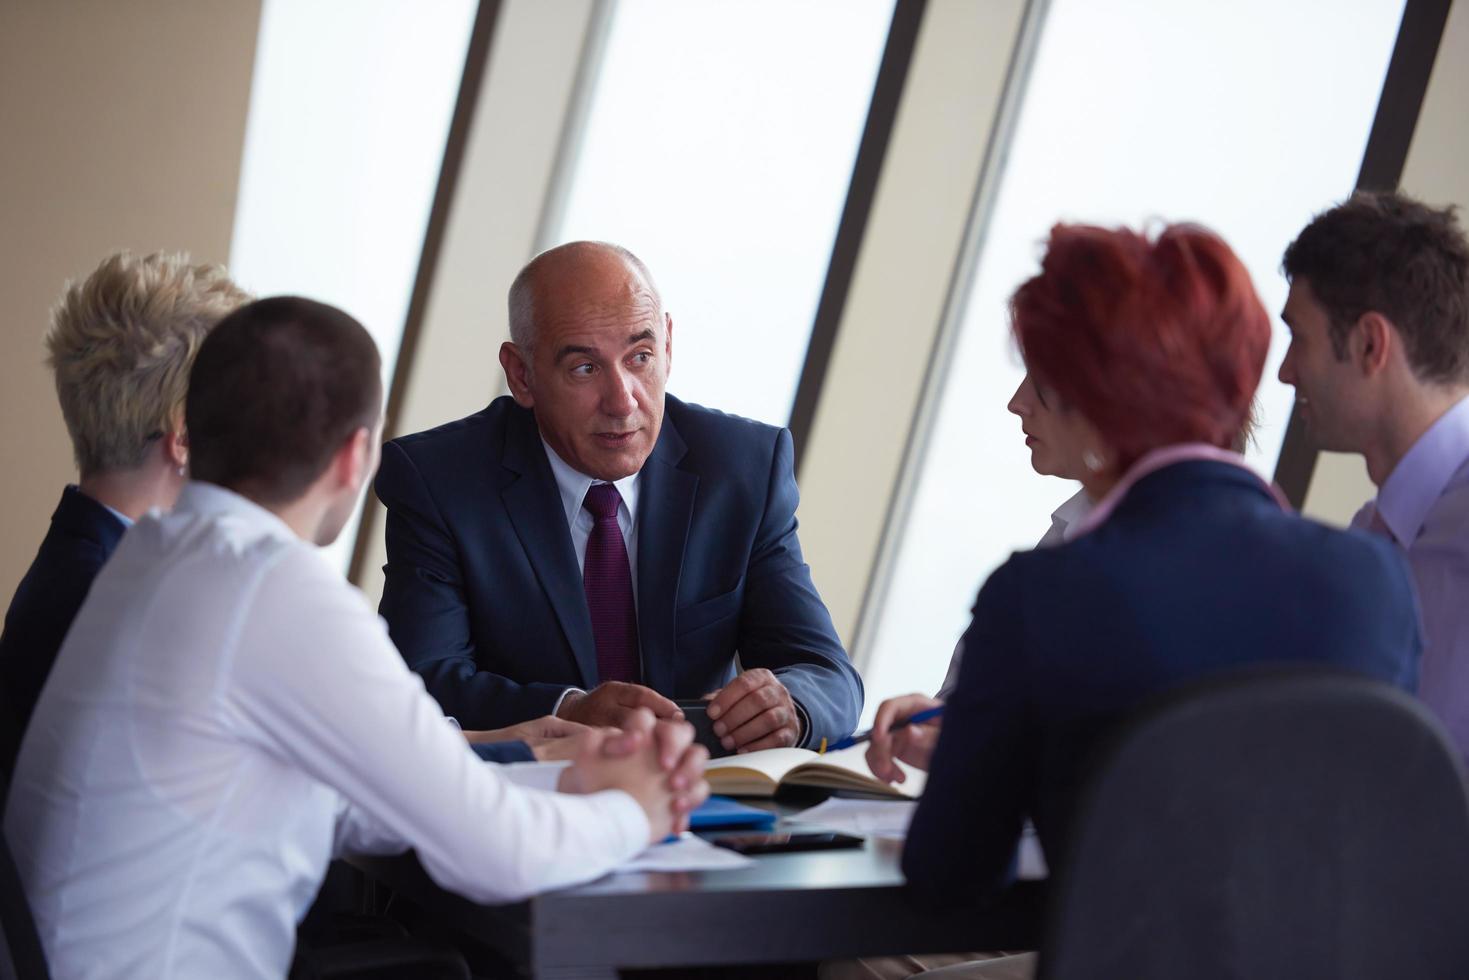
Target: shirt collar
(1158,459)
(574,485)
(125,519)
(210,500)
(1420,477)
(1069,515)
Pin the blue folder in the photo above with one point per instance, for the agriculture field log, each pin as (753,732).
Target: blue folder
(723,813)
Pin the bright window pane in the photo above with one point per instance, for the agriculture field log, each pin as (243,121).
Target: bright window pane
(349,111)
(1247,117)
(719,146)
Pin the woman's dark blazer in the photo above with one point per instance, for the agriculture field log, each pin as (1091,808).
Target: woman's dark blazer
(1197,570)
(82,537)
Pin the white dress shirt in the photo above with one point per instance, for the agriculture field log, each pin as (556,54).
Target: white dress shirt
(227,714)
(573,487)
(1065,521)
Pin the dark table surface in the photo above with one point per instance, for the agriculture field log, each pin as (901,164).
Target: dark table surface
(783,908)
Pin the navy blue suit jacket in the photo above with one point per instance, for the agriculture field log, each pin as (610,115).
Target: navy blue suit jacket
(1197,570)
(82,537)
(484,597)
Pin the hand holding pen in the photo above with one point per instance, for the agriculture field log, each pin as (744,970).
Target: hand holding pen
(906,728)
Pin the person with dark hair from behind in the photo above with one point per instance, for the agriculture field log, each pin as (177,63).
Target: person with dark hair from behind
(1379,356)
(227,712)
(1190,564)
(120,346)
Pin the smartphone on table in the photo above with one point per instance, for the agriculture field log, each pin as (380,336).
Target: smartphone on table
(696,713)
(781,843)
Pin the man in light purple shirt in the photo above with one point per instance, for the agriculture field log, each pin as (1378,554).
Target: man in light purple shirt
(1379,357)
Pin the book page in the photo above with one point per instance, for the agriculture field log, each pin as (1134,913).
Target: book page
(848,769)
(772,763)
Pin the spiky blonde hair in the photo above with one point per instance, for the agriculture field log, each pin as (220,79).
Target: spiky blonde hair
(121,344)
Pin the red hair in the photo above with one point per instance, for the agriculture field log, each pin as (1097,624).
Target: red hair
(1154,342)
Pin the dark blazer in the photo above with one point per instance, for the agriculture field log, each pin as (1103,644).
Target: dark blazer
(1197,570)
(82,537)
(484,598)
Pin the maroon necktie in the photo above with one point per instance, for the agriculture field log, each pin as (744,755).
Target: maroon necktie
(608,582)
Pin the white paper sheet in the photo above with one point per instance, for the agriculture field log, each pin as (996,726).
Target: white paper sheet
(1032,865)
(886,819)
(687,853)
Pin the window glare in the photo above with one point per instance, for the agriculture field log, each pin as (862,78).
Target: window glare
(718,146)
(349,111)
(1247,117)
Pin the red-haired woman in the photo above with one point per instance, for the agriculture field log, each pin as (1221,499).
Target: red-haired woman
(1149,349)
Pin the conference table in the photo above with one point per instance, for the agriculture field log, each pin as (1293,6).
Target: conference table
(783,908)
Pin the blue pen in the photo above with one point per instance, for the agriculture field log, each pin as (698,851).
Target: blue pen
(860,737)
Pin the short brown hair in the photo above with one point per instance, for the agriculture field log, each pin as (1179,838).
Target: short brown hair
(276,390)
(1387,253)
(121,343)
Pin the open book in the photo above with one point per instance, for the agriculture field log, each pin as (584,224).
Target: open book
(759,773)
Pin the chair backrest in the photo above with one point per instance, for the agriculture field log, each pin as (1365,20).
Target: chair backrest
(1299,823)
(21,955)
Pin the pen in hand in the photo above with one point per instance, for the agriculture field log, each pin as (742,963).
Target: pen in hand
(860,737)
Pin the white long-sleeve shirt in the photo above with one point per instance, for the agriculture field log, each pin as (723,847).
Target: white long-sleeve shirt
(225,715)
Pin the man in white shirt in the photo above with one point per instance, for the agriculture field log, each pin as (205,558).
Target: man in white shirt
(227,713)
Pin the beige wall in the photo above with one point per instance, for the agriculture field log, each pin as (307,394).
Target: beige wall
(121,126)
(1435,171)
(905,277)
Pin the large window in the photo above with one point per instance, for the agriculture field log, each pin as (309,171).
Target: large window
(718,146)
(349,111)
(1248,117)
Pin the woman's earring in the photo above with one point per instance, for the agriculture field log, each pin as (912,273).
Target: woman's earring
(1092,461)
(181,471)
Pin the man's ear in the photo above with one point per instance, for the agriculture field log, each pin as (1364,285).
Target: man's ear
(351,462)
(1374,340)
(668,339)
(517,374)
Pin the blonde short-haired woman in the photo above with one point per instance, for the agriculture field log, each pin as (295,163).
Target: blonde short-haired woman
(121,343)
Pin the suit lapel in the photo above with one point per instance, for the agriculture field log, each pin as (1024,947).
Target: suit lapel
(535,510)
(665,508)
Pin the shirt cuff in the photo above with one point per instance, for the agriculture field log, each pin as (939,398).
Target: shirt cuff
(627,817)
(556,708)
(536,775)
(622,815)
(804,734)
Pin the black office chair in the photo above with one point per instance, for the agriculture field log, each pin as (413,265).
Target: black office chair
(381,959)
(340,940)
(21,956)
(1300,824)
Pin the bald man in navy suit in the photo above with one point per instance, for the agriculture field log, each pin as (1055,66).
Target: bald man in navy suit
(587,544)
